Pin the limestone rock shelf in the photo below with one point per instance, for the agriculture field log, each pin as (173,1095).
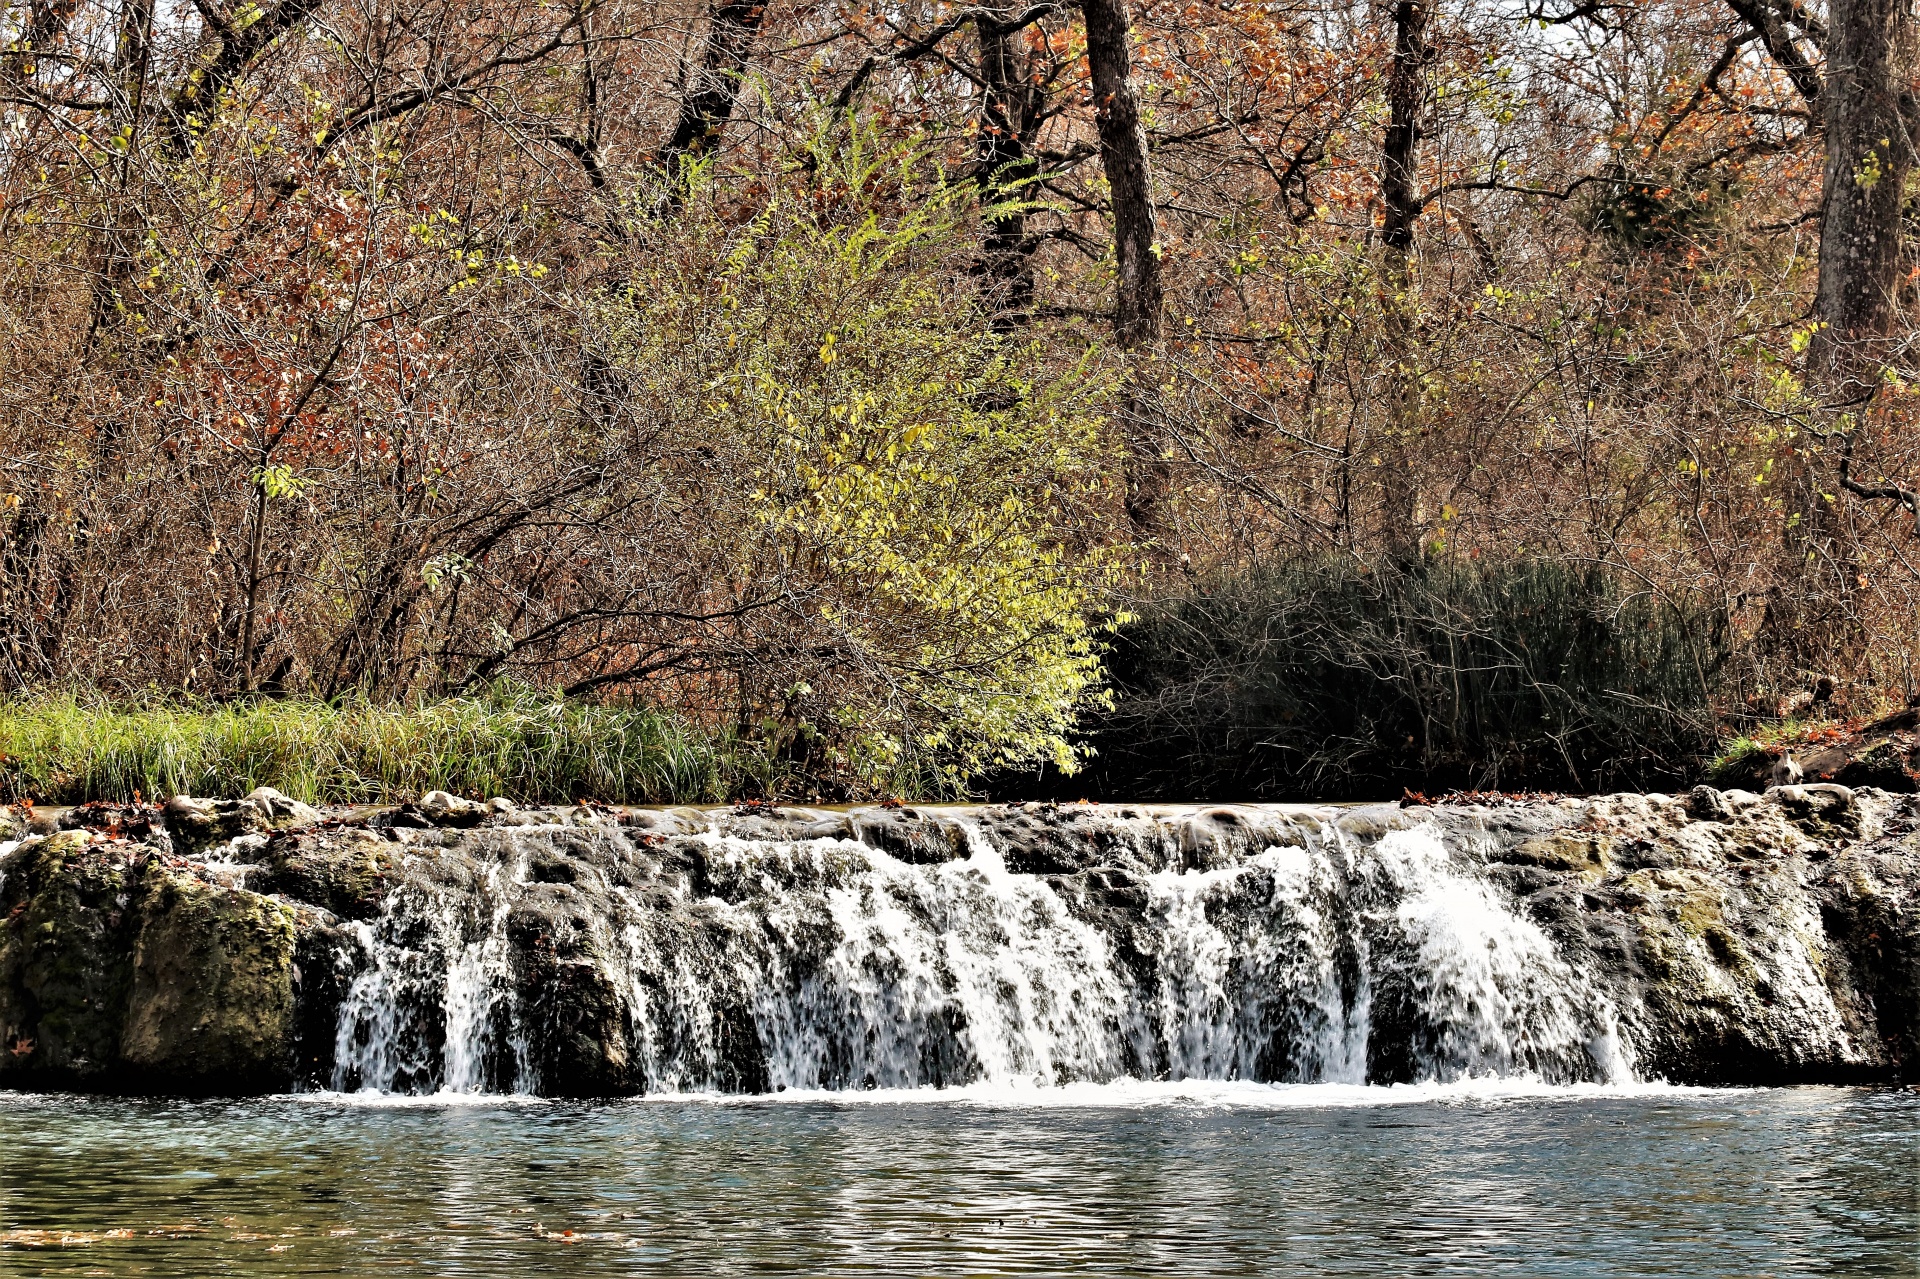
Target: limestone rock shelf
(260,945)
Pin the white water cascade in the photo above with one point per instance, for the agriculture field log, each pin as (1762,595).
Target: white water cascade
(706,955)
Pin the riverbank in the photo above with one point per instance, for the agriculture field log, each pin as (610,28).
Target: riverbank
(64,749)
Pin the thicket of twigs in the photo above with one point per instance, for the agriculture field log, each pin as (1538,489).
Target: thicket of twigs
(832,381)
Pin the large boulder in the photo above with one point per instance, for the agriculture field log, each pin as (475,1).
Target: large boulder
(212,1001)
(124,967)
(65,957)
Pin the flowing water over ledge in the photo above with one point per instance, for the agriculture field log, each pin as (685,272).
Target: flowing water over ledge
(1375,1041)
(1716,938)
(1475,1178)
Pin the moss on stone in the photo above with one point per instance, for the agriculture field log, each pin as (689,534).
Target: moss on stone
(64,965)
(1576,851)
(346,872)
(212,999)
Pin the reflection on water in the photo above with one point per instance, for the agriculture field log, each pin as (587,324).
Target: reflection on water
(1140,1181)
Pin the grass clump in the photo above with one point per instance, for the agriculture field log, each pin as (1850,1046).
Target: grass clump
(1749,755)
(66,748)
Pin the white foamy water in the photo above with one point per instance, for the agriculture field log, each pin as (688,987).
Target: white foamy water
(1123,1094)
(810,966)
(432,1006)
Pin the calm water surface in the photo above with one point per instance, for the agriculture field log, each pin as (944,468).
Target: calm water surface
(1209,1180)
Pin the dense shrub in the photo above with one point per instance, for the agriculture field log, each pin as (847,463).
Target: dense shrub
(1329,680)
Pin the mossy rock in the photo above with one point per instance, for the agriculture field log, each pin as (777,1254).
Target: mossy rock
(1578,851)
(1822,810)
(199,824)
(65,965)
(346,872)
(212,1006)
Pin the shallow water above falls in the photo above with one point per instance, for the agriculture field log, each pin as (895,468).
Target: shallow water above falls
(1119,1179)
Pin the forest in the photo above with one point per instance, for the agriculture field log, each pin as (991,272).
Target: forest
(1153,398)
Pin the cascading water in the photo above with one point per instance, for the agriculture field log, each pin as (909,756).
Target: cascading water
(701,955)
(430,1004)
(1716,937)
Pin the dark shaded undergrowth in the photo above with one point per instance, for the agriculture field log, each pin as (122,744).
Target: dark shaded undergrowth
(1331,680)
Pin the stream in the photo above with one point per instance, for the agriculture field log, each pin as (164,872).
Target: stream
(1480,1177)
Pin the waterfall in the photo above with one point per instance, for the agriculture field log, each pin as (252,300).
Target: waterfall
(430,1003)
(711,955)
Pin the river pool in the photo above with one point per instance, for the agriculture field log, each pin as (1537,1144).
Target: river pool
(1204,1179)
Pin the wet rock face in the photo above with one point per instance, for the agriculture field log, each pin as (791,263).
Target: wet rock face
(1751,939)
(345,872)
(1721,936)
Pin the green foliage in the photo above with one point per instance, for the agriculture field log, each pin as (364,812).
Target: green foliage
(68,748)
(1739,762)
(1332,680)
(909,482)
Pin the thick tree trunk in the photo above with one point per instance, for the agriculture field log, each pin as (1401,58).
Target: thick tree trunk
(1868,112)
(713,86)
(1401,204)
(1138,297)
(1009,111)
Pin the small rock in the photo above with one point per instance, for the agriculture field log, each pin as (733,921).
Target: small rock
(196,824)
(445,809)
(500,806)
(66,841)
(1784,773)
(1708,805)
(282,811)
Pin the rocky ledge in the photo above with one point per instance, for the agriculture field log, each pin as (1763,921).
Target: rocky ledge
(248,946)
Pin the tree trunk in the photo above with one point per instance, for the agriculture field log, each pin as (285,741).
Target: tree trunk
(1400,152)
(1400,201)
(1868,114)
(255,542)
(1866,107)
(1138,298)
(1009,109)
(712,87)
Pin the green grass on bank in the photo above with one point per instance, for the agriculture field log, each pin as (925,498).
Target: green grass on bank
(1745,755)
(62,748)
